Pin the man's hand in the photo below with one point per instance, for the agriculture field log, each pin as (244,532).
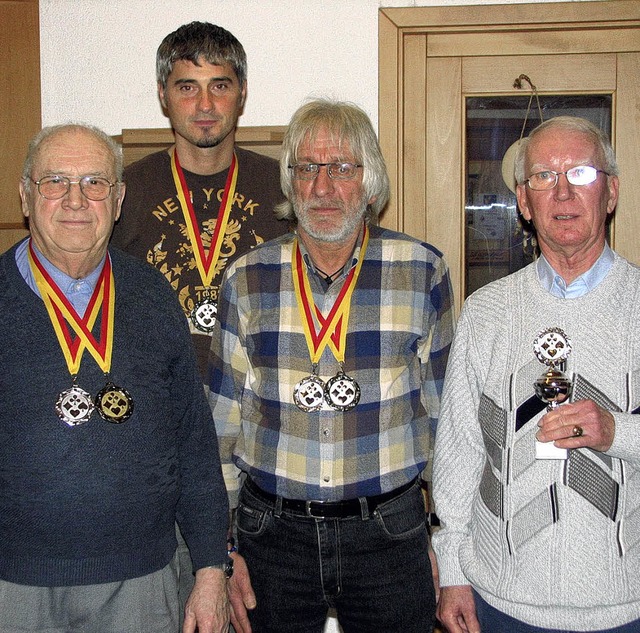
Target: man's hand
(207,608)
(597,425)
(457,609)
(434,571)
(241,595)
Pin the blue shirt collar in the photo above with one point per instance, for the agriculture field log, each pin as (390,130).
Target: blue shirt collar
(77,291)
(552,282)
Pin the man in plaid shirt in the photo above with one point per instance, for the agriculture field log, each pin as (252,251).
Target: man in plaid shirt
(326,369)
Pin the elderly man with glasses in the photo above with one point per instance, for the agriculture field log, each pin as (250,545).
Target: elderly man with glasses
(325,375)
(536,472)
(106,437)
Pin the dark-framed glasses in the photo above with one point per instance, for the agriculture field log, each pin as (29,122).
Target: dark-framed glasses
(581,175)
(335,171)
(55,187)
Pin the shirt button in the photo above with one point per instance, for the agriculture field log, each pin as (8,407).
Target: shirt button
(326,479)
(325,432)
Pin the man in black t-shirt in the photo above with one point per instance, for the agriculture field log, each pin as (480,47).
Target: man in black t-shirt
(191,209)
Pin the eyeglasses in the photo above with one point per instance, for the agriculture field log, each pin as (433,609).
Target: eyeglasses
(55,187)
(335,171)
(581,175)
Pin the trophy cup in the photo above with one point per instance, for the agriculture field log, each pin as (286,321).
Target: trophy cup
(552,347)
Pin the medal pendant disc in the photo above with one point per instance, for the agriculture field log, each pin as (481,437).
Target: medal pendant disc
(203,315)
(74,406)
(308,394)
(114,404)
(552,346)
(342,392)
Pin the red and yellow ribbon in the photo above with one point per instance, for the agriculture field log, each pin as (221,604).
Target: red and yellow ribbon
(205,261)
(64,316)
(331,330)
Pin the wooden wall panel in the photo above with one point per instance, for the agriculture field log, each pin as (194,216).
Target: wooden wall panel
(19,106)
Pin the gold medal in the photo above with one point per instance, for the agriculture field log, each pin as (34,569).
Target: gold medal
(114,404)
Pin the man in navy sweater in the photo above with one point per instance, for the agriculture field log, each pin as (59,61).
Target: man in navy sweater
(106,438)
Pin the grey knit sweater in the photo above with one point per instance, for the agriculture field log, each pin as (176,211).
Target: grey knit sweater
(553,543)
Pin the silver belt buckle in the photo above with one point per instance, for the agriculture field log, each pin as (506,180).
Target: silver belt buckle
(308,511)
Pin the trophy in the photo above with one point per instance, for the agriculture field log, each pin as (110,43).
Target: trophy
(552,347)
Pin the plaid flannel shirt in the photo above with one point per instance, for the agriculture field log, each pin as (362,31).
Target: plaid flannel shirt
(399,333)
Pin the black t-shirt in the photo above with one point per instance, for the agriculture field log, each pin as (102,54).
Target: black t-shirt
(152,225)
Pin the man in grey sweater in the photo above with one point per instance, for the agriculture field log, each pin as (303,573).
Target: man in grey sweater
(540,505)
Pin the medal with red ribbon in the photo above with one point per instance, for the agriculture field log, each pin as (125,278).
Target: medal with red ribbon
(74,406)
(341,392)
(203,315)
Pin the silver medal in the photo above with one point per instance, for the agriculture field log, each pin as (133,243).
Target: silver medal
(203,315)
(342,392)
(74,406)
(308,394)
(552,346)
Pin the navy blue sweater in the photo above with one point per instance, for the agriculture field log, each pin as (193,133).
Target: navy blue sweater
(97,502)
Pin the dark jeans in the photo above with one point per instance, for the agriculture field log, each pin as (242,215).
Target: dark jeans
(374,571)
(494,621)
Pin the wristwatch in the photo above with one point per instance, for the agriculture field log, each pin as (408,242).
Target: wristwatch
(227,567)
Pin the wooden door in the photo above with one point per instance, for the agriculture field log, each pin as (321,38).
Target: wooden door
(432,59)
(19,106)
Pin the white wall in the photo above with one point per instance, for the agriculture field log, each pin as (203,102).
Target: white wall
(98,57)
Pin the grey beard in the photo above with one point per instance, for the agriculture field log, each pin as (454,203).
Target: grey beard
(350,225)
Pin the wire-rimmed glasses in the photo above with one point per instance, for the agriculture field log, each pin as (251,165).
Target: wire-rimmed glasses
(94,188)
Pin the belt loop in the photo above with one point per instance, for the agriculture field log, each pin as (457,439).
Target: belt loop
(364,508)
(277,507)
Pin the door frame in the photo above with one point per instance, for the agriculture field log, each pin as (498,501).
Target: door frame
(422,56)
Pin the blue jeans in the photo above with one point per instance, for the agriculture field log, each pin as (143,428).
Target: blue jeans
(374,571)
(494,621)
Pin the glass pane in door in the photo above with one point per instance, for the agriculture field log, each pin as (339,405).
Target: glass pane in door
(498,241)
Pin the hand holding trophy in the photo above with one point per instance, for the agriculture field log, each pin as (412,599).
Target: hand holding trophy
(552,347)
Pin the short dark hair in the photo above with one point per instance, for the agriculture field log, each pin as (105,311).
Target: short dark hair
(197,40)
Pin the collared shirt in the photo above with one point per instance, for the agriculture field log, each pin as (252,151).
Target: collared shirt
(555,284)
(77,291)
(399,333)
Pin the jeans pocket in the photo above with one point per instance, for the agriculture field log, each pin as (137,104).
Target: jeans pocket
(252,521)
(403,517)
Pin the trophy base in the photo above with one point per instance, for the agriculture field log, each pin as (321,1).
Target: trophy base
(546,450)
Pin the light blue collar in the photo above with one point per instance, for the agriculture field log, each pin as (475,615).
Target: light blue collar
(77,291)
(552,282)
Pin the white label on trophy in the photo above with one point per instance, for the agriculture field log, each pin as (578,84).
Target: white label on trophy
(547,450)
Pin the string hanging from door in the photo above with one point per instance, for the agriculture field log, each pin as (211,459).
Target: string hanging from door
(529,243)
(534,93)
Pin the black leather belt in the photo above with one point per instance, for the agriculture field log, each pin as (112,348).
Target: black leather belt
(328,509)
